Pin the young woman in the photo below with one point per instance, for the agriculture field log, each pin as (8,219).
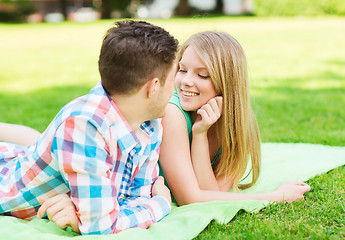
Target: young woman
(210,134)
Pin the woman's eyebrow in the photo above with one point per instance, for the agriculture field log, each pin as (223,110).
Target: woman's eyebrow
(200,68)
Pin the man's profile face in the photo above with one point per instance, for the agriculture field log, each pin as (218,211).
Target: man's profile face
(164,94)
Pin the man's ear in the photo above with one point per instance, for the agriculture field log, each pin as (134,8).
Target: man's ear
(152,87)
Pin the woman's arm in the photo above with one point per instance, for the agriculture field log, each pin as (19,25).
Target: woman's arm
(176,163)
(201,162)
(18,134)
(208,114)
(175,157)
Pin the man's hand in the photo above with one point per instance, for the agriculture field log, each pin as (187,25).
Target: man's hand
(159,189)
(61,210)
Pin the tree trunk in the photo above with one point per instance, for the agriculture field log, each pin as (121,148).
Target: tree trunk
(106,9)
(63,7)
(219,6)
(183,8)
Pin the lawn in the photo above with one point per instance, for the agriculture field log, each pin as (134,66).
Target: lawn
(297,78)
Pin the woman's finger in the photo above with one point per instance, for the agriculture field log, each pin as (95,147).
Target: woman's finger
(219,100)
(203,113)
(217,105)
(215,108)
(212,112)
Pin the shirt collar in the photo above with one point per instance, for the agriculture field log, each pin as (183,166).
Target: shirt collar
(126,137)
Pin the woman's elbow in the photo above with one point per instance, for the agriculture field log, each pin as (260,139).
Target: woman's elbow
(189,198)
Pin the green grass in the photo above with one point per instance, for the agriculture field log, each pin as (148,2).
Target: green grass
(297,79)
(320,216)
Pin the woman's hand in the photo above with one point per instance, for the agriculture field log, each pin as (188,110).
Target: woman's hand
(208,115)
(290,191)
(61,210)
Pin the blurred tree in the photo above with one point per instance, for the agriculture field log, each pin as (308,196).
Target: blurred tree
(63,7)
(219,6)
(107,6)
(106,9)
(183,8)
(14,10)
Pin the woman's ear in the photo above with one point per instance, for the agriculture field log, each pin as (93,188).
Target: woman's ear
(152,87)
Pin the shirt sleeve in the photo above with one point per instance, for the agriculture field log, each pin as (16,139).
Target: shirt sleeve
(86,165)
(142,186)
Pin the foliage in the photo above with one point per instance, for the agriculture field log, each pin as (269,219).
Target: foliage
(14,10)
(301,7)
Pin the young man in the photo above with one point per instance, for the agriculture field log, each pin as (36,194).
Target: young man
(102,148)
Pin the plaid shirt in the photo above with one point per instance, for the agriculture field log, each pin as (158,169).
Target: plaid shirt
(90,152)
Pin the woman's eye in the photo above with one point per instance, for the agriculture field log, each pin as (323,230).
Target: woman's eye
(203,76)
(182,71)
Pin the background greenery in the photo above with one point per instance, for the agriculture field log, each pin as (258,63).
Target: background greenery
(297,79)
(14,10)
(298,8)
(18,10)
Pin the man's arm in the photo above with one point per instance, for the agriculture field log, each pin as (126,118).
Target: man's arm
(147,184)
(87,166)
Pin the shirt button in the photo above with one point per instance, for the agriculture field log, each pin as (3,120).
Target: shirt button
(129,165)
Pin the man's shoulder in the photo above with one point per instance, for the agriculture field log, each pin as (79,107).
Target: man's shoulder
(94,106)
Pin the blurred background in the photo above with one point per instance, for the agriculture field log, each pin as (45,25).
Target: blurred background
(54,11)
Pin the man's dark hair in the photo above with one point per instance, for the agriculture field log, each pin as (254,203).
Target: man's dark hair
(132,53)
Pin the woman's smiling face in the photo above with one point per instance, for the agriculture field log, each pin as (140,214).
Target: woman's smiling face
(193,83)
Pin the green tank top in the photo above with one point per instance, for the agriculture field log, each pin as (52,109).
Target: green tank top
(176,101)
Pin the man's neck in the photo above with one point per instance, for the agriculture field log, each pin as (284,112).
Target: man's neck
(132,108)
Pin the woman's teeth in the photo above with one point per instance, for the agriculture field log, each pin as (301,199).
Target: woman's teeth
(189,94)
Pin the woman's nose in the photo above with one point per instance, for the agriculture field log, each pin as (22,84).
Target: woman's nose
(187,80)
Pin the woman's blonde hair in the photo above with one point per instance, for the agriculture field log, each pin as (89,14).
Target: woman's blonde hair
(237,129)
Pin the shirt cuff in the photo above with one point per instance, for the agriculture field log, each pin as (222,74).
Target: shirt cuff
(159,206)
